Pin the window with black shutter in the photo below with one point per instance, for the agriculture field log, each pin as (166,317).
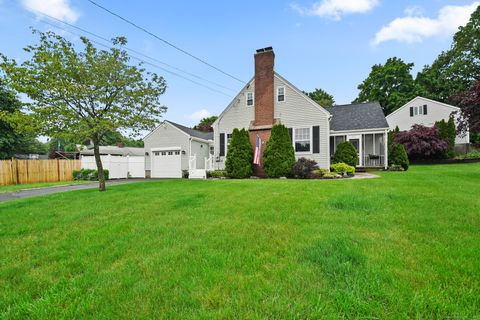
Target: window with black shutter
(222,144)
(290,132)
(411,111)
(316,139)
(424,109)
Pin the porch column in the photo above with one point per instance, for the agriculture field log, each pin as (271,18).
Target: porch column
(385,148)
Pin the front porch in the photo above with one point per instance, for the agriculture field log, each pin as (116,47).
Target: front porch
(371,147)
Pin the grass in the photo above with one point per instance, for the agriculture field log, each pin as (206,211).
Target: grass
(17,187)
(406,245)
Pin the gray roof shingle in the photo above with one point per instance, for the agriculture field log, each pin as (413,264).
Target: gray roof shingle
(193,132)
(357,116)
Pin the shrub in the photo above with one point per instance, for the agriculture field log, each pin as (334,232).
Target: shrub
(88,174)
(391,135)
(470,155)
(319,173)
(185,174)
(302,169)
(447,132)
(342,169)
(398,156)
(239,155)
(422,142)
(395,167)
(278,157)
(346,153)
(216,174)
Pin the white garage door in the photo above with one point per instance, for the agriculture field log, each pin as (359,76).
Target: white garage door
(166,164)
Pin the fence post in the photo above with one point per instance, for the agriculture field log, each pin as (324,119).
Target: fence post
(17,180)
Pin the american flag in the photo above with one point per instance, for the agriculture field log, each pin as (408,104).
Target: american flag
(256,156)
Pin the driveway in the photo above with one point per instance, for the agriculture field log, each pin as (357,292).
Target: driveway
(57,189)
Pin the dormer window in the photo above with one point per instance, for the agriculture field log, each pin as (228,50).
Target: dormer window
(249,99)
(280,94)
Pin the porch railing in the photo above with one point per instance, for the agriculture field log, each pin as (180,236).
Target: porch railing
(374,161)
(209,163)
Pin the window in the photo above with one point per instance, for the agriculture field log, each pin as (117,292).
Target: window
(164,153)
(302,140)
(418,110)
(177,153)
(229,137)
(249,99)
(334,142)
(280,94)
(170,153)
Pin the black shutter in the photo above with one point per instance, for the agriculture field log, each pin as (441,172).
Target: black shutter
(290,133)
(411,111)
(424,109)
(316,139)
(222,144)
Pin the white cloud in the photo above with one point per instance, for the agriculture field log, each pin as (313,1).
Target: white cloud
(415,27)
(59,9)
(199,115)
(335,9)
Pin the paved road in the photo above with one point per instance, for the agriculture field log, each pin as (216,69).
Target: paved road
(56,189)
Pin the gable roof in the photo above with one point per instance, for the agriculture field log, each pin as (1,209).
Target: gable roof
(425,99)
(193,132)
(357,116)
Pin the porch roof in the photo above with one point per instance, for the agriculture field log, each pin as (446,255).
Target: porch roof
(357,116)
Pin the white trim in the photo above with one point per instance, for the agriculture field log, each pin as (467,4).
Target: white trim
(373,130)
(425,99)
(284,94)
(166,149)
(295,140)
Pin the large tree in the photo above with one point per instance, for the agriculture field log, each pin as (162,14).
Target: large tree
(12,139)
(469,103)
(321,97)
(85,93)
(391,84)
(205,124)
(456,69)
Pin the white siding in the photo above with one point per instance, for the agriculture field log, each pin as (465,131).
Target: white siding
(296,111)
(201,149)
(165,136)
(436,111)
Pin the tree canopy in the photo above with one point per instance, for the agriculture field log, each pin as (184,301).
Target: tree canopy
(321,97)
(85,94)
(205,124)
(456,69)
(469,103)
(391,84)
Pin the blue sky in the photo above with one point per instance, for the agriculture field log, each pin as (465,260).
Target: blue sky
(330,44)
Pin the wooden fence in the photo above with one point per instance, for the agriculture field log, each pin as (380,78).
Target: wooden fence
(34,171)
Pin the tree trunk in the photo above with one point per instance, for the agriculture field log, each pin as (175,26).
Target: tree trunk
(98,161)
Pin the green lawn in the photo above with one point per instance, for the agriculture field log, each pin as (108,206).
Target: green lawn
(17,187)
(406,245)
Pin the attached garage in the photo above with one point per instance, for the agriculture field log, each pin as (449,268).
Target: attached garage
(166,163)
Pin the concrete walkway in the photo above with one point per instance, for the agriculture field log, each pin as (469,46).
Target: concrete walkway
(27,193)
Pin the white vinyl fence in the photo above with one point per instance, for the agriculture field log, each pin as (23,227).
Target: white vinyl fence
(119,167)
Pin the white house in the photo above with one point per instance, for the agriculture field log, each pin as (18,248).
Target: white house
(171,148)
(269,99)
(424,112)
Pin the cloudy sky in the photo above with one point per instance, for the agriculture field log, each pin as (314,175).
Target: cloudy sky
(330,44)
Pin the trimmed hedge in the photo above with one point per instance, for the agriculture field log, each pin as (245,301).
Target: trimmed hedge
(342,169)
(239,155)
(216,174)
(346,153)
(278,157)
(399,157)
(88,174)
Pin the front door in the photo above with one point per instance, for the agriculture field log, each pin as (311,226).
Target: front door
(355,140)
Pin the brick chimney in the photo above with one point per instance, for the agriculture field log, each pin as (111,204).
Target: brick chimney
(264,91)
(264,94)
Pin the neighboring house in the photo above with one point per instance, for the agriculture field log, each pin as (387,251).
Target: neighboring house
(171,148)
(269,99)
(114,151)
(424,112)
